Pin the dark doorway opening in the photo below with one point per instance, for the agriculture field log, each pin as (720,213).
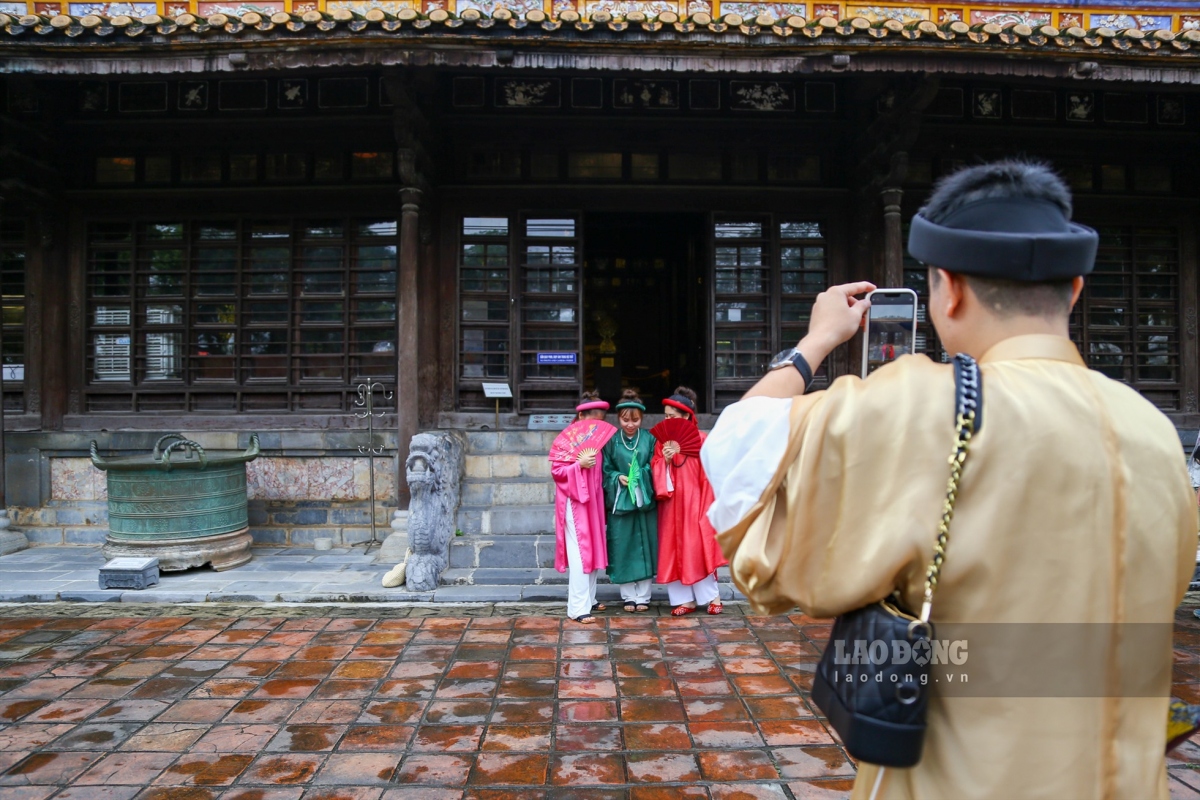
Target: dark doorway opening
(644,305)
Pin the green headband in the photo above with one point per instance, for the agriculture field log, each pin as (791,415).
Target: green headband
(632,404)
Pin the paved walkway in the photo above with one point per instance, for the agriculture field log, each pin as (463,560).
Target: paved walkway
(404,702)
(284,575)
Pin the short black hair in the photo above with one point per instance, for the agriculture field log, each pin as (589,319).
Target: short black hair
(1016,178)
(1012,177)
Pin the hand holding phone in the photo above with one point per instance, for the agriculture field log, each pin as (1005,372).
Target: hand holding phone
(891,327)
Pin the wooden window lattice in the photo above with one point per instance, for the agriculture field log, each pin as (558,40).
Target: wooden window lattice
(238,315)
(768,270)
(13,238)
(1127,320)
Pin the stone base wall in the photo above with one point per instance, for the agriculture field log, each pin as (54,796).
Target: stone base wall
(273,523)
(292,501)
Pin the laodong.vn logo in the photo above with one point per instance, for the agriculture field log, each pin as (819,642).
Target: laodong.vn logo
(899,652)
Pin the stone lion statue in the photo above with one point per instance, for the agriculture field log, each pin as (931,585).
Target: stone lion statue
(434,472)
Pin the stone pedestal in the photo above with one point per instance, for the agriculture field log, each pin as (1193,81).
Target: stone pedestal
(395,546)
(10,541)
(224,551)
(129,573)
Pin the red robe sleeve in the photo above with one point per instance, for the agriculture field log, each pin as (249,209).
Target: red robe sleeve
(658,466)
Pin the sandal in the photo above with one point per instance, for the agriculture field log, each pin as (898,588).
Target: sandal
(715,607)
(599,607)
(683,611)
(585,619)
(640,607)
(630,608)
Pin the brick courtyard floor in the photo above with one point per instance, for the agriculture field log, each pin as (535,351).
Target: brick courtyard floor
(406,703)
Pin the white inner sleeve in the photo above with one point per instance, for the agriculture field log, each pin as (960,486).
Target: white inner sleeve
(742,454)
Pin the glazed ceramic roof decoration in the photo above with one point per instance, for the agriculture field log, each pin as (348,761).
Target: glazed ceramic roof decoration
(1026,28)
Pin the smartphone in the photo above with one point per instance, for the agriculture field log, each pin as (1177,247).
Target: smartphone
(891,327)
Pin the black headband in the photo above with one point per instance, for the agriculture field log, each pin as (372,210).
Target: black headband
(680,399)
(1012,238)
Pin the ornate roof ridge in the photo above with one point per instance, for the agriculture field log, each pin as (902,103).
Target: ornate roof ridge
(29,26)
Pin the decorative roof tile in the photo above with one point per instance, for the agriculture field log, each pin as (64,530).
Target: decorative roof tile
(871,24)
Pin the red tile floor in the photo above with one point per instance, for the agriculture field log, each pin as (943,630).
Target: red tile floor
(400,708)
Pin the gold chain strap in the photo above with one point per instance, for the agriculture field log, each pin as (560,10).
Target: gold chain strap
(966,429)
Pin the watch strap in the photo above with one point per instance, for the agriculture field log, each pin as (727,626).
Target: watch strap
(801,364)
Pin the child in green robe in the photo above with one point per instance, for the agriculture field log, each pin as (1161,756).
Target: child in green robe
(629,503)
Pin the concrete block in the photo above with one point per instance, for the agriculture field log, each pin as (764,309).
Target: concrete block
(302,516)
(462,555)
(27,596)
(374,596)
(44,536)
(456,577)
(479,467)
(480,442)
(12,541)
(214,440)
(257,512)
(85,535)
(352,535)
(476,494)
(393,549)
(547,548)
(477,594)
(535,467)
(470,520)
(520,442)
(506,466)
(302,536)
(522,494)
(522,519)
(350,516)
(89,596)
(164,596)
(68,516)
(129,573)
(267,536)
(549,576)
(501,553)
(543,593)
(504,577)
(227,596)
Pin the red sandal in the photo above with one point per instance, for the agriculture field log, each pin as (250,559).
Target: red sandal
(715,608)
(682,611)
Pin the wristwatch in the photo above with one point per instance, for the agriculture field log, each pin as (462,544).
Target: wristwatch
(793,357)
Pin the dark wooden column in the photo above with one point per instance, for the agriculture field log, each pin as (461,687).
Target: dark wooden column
(51,264)
(893,240)
(407,368)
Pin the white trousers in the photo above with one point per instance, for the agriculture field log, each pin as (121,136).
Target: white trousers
(581,586)
(701,592)
(637,592)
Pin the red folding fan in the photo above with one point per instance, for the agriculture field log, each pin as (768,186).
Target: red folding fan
(679,430)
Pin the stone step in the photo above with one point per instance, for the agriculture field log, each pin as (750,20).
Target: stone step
(487,466)
(530,443)
(510,551)
(506,520)
(507,492)
(464,585)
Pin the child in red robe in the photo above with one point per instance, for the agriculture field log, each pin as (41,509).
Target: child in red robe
(688,553)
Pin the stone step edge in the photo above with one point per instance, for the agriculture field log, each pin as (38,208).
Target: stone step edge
(467,576)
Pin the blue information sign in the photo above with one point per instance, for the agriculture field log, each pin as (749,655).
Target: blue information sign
(558,358)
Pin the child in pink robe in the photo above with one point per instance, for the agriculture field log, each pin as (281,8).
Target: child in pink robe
(581,546)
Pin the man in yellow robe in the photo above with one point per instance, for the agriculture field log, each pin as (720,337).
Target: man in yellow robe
(1074,506)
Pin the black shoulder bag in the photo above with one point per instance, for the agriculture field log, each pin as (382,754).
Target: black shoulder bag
(873,678)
